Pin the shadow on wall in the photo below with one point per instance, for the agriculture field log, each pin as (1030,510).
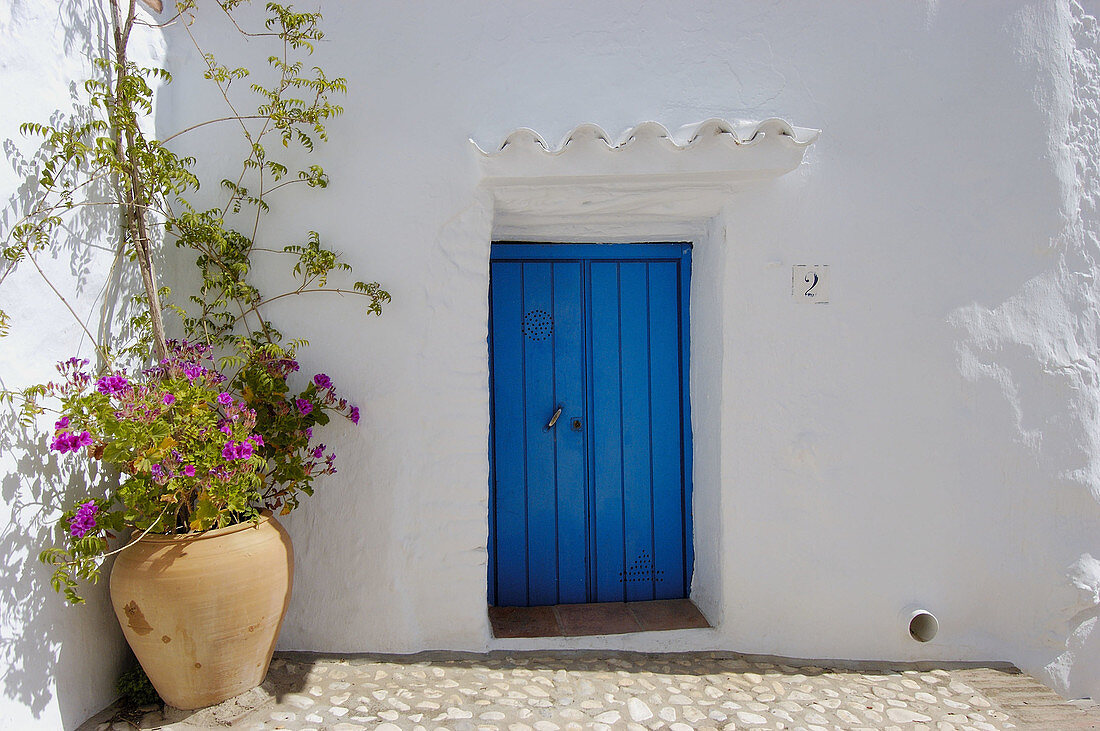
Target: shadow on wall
(87,229)
(46,648)
(57,660)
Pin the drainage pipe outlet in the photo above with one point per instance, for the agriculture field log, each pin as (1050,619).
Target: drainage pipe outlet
(920,623)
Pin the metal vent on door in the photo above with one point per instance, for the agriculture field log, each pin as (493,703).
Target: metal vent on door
(642,570)
(538,325)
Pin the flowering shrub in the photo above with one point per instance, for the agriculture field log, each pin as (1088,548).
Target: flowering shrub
(196,449)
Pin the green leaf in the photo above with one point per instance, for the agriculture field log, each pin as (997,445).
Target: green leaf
(204,514)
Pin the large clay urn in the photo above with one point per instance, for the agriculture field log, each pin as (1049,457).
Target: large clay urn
(202,610)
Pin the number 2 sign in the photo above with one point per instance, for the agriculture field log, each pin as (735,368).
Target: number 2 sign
(809,282)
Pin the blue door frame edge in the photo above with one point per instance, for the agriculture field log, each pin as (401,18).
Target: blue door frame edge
(512,251)
(528,251)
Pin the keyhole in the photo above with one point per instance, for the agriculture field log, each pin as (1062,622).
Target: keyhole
(575,423)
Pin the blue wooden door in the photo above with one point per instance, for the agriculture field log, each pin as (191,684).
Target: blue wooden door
(590,445)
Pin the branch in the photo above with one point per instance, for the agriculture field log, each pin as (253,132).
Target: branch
(330,290)
(135,223)
(171,137)
(284,184)
(240,117)
(164,24)
(241,30)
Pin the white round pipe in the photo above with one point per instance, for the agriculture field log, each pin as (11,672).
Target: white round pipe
(920,623)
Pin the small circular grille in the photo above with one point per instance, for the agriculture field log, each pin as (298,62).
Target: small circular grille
(538,325)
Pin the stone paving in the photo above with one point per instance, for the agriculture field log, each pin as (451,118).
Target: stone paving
(544,691)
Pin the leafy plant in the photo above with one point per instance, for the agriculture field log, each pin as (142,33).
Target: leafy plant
(192,455)
(135,689)
(195,445)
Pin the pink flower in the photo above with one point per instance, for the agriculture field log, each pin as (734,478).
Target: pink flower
(169,399)
(84,520)
(112,385)
(189,470)
(304,406)
(70,442)
(224,399)
(237,450)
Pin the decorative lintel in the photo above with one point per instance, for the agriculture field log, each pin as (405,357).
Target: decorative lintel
(713,149)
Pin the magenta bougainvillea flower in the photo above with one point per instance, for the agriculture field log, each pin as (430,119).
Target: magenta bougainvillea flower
(189,470)
(84,520)
(237,450)
(192,371)
(70,442)
(169,399)
(304,406)
(354,414)
(225,399)
(112,385)
(322,381)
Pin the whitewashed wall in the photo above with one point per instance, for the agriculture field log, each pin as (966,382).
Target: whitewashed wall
(928,436)
(58,664)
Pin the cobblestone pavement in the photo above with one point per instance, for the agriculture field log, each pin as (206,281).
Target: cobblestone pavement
(588,690)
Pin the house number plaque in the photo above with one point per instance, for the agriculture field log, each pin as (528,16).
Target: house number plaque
(810,283)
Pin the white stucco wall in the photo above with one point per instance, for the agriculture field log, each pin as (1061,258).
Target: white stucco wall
(928,436)
(58,664)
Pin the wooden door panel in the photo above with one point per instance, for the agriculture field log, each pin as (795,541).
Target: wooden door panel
(595,508)
(638,573)
(540,472)
(570,394)
(670,550)
(509,498)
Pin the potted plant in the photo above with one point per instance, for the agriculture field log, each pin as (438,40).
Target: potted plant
(201,455)
(206,460)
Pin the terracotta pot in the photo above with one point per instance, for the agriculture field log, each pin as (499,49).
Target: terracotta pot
(202,610)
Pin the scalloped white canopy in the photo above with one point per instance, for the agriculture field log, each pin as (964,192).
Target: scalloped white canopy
(709,149)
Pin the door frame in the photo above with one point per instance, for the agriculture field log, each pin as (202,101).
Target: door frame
(549,251)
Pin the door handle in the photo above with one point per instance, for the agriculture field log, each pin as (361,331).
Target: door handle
(554,419)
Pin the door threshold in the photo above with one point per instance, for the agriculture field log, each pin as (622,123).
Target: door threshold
(605,618)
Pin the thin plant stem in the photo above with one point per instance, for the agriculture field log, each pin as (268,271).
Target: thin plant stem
(231,118)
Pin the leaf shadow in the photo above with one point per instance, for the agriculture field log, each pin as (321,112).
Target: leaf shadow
(57,660)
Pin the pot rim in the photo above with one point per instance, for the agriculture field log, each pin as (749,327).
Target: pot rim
(265,516)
